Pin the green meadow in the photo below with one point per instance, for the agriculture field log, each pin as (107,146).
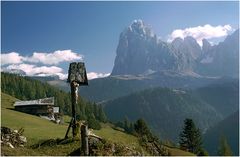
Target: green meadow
(37,129)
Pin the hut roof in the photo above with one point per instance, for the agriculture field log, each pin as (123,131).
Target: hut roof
(44,101)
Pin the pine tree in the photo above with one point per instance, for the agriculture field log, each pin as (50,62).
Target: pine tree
(142,129)
(95,110)
(126,124)
(93,123)
(190,137)
(224,148)
(131,128)
(102,116)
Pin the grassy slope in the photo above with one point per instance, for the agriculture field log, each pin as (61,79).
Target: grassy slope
(178,152)
(107,132)
(37,129)
(55,150)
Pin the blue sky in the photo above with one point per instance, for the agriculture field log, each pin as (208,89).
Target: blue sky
(92,29)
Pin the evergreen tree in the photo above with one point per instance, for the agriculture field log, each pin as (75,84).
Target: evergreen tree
(93,123)
(119,124)
(142,129)
(102,116)
(131,128)
(95,110)
(190,137)
(126,124)
(224,148)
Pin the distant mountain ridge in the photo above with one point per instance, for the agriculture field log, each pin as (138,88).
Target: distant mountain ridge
(140,51)
(14,71)
(121,85)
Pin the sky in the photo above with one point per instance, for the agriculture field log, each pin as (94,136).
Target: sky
(42,38)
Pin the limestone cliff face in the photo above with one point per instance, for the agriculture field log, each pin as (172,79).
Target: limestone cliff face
(221,59)
(140,51)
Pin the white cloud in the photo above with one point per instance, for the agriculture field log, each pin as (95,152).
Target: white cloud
(202,32)
(14,60)
(93,75)
(11,58)
(33,70)
(54,58)
(62,76)
(28,64)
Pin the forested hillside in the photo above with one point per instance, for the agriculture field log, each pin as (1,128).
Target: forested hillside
(227,128)
(164,110)
(25,88)
(224,97)
(118,86)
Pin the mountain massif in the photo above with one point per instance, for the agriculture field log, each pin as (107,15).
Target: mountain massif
(140,51)
(144,61)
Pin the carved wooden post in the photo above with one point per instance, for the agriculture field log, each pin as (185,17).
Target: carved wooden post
(77,76)
(74,94)
(84,139)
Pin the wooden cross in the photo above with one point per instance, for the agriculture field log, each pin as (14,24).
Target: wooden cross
(77,76)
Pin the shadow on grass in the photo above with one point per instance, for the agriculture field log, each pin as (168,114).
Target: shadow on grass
(75,153)
(13,109)
(53,142)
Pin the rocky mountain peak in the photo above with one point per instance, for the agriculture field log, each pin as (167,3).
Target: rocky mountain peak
(206,46)
(233,38)
(177,42)
(192,47)
(139,51)
(190,41)
(137,24)
(138,28)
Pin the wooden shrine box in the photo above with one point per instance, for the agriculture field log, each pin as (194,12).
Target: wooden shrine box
(77,73)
